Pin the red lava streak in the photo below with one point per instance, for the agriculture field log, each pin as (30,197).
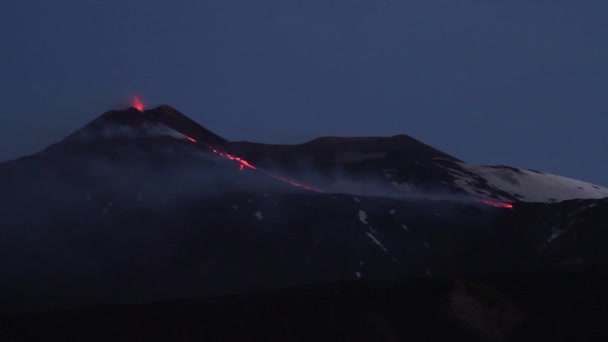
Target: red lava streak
(295,183)
(243,163)
(496,203)
(137,104)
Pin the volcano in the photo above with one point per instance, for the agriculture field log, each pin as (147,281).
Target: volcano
(143,207)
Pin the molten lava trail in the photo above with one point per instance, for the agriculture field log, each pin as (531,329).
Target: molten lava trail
(245,164)
(497,204)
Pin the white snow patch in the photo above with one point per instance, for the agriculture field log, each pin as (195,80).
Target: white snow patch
(258,215)
(363,216)
(466,185)
(356,200)
(528,186)
(377,242)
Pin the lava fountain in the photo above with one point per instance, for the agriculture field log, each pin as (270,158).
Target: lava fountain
(137,104)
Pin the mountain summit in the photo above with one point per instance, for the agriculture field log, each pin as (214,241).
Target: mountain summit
(163,115)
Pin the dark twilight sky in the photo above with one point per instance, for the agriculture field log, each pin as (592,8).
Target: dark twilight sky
(516,82)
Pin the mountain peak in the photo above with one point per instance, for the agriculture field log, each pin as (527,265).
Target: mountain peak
(163,114)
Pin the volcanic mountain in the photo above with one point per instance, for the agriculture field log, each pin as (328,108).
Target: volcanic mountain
(144,206)
(398,165)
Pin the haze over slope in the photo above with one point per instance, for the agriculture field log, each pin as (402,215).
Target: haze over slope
(133,189)
(398,165)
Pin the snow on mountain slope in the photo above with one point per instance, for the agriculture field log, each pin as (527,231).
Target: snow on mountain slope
(525,185)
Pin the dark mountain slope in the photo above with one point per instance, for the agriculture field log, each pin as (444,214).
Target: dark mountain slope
(131,211)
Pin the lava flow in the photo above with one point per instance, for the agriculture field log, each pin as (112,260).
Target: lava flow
(243,163)
(497,204)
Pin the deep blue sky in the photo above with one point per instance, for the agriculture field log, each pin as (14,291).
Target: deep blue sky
(516,82)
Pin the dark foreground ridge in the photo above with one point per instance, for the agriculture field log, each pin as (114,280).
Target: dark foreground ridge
(516,307)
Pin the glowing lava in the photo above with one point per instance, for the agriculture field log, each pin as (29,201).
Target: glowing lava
(300,185)
(137,104)
(497,204)
(243,163)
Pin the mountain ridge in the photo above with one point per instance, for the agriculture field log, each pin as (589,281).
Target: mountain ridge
(395,164)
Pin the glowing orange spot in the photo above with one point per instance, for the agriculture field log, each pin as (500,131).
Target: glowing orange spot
(137,104)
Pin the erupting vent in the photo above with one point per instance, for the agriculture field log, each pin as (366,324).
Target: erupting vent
(137,104)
